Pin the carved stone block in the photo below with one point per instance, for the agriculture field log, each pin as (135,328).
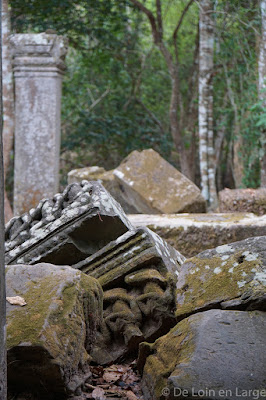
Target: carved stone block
(67,228)
(138,272)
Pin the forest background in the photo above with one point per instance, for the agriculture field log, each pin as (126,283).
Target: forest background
(120,92)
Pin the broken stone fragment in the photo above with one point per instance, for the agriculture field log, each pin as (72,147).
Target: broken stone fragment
(153,186)
(137,272)
(231,276)
(107,179)
(212,355)
(87,173)
(243,200)
(67,228)
(49,339)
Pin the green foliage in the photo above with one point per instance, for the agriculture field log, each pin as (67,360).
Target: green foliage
(87,23)
(105,133)
(235,83)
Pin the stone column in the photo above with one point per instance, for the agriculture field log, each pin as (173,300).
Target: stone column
(38,69)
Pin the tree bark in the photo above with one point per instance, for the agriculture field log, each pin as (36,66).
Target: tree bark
(8,98)
(3,385)
(262,86)
(206,145)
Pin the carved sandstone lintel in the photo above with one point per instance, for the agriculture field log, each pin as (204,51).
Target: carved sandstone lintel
(137,272)
(66,228)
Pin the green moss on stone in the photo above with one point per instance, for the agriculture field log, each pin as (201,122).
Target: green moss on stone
(170,350)
(53,320)
(216,279)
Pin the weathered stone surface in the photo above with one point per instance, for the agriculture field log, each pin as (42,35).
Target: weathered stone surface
(138,272)
(193,233)
(153,186)
(107,179)
(49,339)
(243,200)
(211,355)
(231,277)
(67,228)
(88,173)
(38,70)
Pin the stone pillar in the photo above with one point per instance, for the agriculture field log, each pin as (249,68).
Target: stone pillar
(38,69)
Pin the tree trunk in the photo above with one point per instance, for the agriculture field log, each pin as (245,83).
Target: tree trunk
(237,162)
(262,85)
(172,65)
(8,98)
(175,126)
(3,386)
(173,109)
(206,145)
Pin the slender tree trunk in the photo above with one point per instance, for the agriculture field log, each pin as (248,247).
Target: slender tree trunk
(206,145)
(237,162)
(156,23)
(262,85)
(173,109)
(3,386)
(8,98)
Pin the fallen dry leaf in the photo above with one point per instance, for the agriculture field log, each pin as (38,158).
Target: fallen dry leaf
(98,394)
(117,394)
(130,377)
(16,301)
(131,395)
(111,376)
(119,382)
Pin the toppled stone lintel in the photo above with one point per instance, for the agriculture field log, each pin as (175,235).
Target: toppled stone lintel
(67,228)
(49,338)
(193,233)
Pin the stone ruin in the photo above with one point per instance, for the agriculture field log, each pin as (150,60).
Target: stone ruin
(84,286)
(140,182)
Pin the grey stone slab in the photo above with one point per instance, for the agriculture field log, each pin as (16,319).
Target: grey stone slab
(211,355)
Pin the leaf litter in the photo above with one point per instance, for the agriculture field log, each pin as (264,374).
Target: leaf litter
(114,382)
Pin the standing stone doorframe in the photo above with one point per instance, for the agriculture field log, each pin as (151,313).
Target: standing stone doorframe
(38,64)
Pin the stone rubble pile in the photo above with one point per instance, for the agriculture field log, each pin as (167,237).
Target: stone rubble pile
(98,290)
(243,200)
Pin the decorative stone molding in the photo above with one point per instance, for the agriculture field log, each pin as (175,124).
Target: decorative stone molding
(66,228)
(38,52)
